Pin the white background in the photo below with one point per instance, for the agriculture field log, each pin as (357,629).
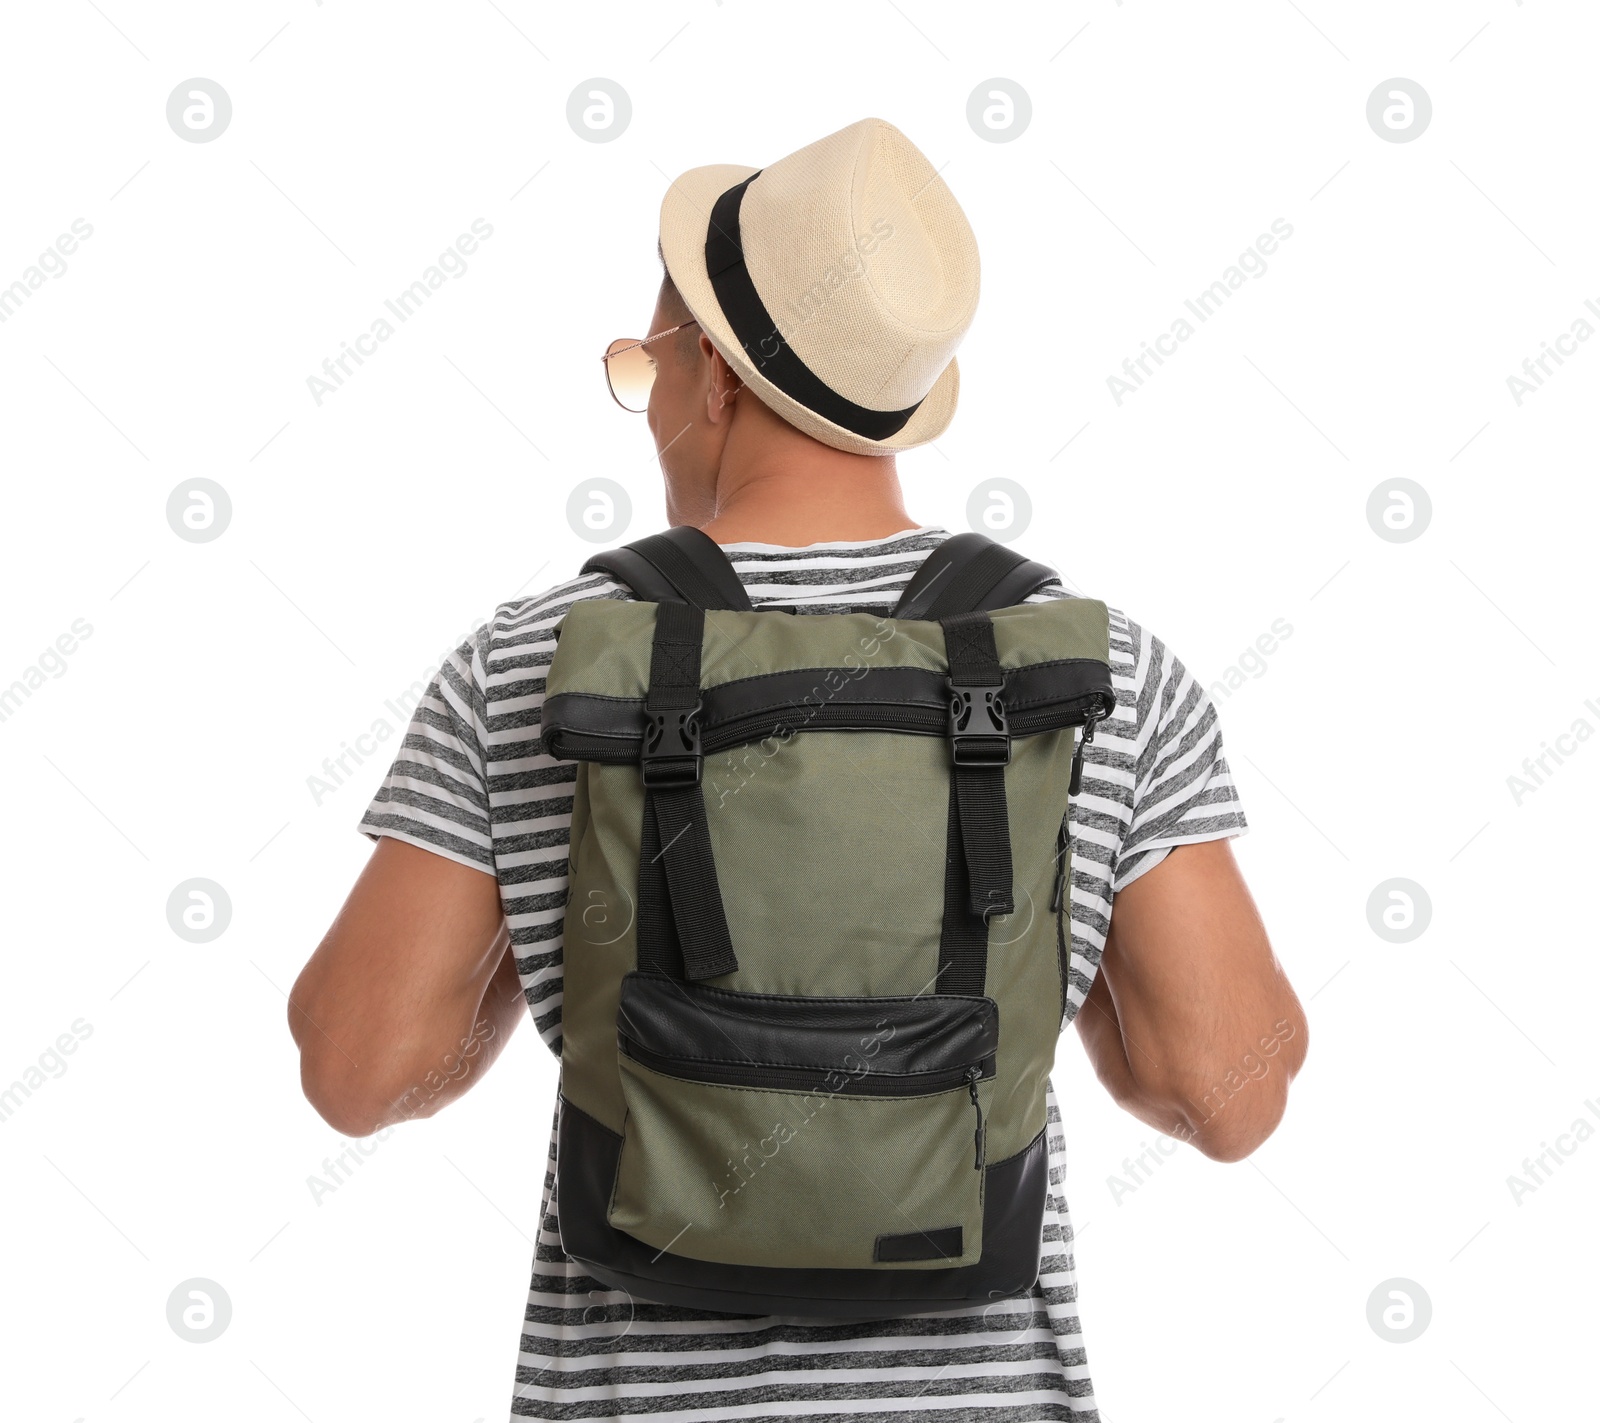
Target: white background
(370,533)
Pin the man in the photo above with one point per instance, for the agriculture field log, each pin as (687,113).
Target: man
(804,332)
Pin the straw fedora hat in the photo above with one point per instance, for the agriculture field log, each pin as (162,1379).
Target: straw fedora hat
(836,282)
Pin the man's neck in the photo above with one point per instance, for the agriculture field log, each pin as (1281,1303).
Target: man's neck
(790,490)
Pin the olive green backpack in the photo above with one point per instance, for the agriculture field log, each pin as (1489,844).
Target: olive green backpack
(816,943)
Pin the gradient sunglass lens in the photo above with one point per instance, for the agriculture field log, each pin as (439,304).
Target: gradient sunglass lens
(630,372)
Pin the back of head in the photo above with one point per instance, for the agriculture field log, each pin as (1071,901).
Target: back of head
(836,282)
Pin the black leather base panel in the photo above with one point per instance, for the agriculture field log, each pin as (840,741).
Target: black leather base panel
(1013,1215)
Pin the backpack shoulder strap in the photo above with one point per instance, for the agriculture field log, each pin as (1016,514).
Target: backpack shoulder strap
(682,565)
(969,573)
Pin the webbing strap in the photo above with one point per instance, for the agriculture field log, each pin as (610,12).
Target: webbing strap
(682,924)
(675,657)
(970,650)
(977,684)
(659,950)
(963,935)
(980,793)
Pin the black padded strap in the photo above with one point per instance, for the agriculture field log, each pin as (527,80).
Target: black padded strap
(1017,586)
(682,926)
(969,573)
(634,572)
(681,564)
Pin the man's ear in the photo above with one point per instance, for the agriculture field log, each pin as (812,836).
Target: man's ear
(723,390)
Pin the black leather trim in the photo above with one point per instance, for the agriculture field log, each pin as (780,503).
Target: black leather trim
(591,714)
(942,1244)
(892,1036)
(1013,1217)
(1041,697)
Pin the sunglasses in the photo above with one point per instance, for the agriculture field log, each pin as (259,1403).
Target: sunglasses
(631,369)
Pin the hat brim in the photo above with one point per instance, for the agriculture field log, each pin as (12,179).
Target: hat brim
(685,216)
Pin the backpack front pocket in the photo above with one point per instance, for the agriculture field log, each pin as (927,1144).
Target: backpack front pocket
(781,1130)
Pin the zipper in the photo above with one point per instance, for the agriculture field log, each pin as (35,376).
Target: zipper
(807,1079)
(1072,711)
(911,718)
(973,1074)
(1075,780)
(1058,904)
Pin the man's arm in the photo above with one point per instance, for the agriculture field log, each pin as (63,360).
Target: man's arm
(1191,1024)
(411,994)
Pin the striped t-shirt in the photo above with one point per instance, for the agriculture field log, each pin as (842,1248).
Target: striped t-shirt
(471,781)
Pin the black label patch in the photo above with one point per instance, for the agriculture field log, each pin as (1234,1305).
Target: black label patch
(943,1244)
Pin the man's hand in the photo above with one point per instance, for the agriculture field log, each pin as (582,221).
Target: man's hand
(411,994)
(1191,1024)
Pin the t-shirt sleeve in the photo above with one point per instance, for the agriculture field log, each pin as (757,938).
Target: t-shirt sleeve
(436,794)
(1183,791)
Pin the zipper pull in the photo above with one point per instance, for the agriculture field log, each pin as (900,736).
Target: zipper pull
(1063,845)
(973,1074)
(1075,781)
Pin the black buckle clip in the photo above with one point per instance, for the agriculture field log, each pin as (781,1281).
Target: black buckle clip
(979,732)
(671,754)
